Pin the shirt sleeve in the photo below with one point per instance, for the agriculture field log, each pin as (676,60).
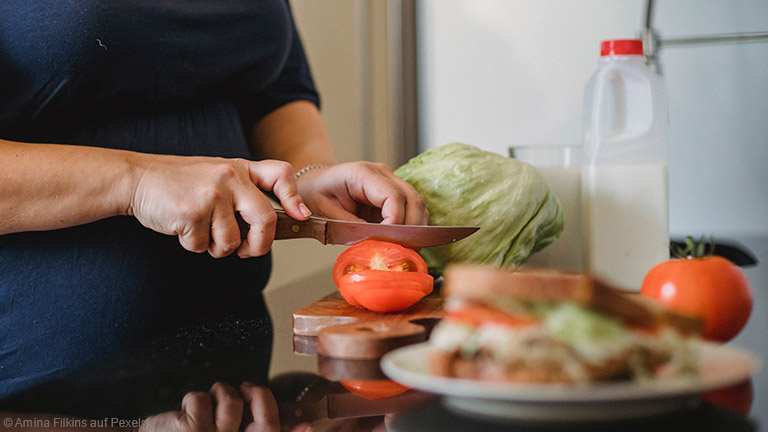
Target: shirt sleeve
(293,83)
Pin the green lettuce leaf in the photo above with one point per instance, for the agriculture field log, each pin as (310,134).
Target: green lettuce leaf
(509,200)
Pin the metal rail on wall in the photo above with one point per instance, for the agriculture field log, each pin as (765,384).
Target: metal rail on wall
(652,43)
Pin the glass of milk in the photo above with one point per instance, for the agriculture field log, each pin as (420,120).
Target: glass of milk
(560,166)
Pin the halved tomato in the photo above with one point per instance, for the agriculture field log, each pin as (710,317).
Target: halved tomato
(378,255)
(381,276)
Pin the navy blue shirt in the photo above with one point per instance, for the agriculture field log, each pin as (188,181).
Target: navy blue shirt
(156,76)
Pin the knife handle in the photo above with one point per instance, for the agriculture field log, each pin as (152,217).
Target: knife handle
(290,228)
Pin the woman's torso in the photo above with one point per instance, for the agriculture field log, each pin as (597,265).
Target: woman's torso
(155,76)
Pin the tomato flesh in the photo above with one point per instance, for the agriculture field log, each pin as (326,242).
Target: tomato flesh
(381,276)
(478,315)
(384,291)
(711,288)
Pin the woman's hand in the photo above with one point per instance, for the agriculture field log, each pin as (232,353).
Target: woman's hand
(362,191)
(219,410)
(198,200)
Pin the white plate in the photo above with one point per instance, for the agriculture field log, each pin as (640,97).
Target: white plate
(720,366)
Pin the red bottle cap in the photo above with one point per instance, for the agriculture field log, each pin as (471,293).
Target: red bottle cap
(621,47)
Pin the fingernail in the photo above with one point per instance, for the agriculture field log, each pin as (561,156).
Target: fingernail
(304,210)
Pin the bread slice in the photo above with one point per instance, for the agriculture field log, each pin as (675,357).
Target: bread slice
(474,283)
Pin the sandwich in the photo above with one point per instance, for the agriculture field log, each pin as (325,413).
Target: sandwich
(546,326)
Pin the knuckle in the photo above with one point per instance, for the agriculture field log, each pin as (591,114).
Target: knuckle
(284,169)
(221,250)
(269,218)
(419,201)
(400,196)
(225,394)
(219,386)
(381,166)
(231,400)
(196,396)
(194,245)
(230,246)
(212,194)
(227,171)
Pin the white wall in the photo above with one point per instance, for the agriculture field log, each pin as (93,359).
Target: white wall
(496,73)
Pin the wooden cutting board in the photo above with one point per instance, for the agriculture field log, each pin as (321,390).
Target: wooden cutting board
(345,331)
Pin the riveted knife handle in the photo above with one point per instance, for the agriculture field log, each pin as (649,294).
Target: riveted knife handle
(290,228)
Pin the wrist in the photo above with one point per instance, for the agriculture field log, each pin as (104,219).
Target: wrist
(135,166)
(308,168)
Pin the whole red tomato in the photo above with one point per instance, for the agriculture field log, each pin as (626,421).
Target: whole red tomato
(710,287)
(381,276)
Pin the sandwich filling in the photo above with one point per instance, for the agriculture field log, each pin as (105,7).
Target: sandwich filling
(504,338)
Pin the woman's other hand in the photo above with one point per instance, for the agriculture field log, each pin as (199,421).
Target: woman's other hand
(362,191)
(198,200)
(219,410)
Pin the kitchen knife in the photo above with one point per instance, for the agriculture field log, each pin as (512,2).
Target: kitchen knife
(331,231)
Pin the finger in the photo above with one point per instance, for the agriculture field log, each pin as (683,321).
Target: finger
(381,195)
(376,186)
(386,192)
(199,409)
(280,178)
(196,234)
(256,210)
(225,232)
(229,407)
(393,204)
(416,212)
(263,408)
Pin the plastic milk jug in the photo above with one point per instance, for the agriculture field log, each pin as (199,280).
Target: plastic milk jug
(624,204)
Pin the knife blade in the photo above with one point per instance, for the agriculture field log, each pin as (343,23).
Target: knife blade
(332,231)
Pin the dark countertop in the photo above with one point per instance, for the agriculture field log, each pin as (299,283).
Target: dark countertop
(304,394)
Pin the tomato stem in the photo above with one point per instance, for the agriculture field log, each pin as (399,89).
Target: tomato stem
(693,249)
